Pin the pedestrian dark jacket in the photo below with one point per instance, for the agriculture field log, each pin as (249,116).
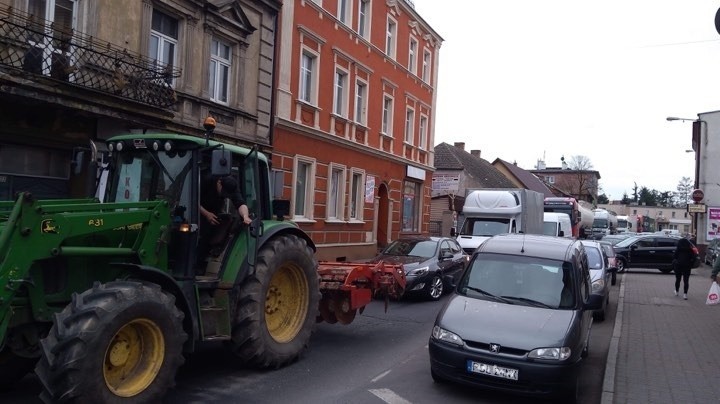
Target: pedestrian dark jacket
(684,256)
(716,268)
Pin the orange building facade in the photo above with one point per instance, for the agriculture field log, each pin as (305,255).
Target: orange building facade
(354,122)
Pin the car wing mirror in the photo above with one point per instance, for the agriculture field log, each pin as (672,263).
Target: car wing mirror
(445,256)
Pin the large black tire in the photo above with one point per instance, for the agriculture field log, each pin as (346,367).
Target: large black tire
(13,368)
(119,342)
(276,307)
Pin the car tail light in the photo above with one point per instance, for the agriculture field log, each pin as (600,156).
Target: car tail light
(696,251)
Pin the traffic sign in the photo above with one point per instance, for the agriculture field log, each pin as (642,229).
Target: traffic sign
(698,195)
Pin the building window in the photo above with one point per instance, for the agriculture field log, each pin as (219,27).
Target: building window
(673,215)
(361,102)
(46,55)
(219,71)
(164,40)
(357,188)
(423,132)
(339,106)
(409,125)
(308,76)
(634,211)
(412,57)
(364,18)
(426,66)
(336,192)
(344,11)
(411,207)
(387,116)
(550,179)
(303,187)
(391,37)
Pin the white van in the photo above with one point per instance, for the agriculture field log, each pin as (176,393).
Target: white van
(557,224)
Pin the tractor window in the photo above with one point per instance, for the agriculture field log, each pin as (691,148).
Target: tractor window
(143,175)
(249,185)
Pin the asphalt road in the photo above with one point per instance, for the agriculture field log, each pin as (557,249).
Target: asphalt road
(379,358)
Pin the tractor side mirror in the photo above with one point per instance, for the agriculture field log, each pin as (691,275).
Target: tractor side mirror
(281,208)
(221,163)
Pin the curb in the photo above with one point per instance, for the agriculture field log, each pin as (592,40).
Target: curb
(608,390)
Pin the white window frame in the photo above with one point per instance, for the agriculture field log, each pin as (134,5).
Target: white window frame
(336,191)
(309,192)
(423,131)
(427,65)
(410,125)
(340,92)
(550,179)
(217,63)
(412,55)
(387,116)
(364,18)
(391,29)
(45,43)
(344,11)
(303,86)
(163,41)
(361,100)
(356,195)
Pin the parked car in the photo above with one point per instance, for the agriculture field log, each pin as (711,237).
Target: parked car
(600,276)
(649,251)
(612,260)
(712,250)
(519,319)
(431,264)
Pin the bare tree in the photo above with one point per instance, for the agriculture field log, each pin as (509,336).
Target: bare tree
(684,190)
(583,183)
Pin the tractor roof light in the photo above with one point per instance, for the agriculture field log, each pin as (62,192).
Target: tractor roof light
(155,145)
(119,146)
(168,146)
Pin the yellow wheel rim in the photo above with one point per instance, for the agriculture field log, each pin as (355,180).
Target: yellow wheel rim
(286,303)
(134,357)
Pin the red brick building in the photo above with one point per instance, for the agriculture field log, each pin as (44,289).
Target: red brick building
(354,121)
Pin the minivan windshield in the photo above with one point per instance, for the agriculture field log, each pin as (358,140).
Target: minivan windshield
(522,280)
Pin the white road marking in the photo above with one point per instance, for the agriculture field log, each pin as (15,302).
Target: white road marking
(389,396)
(380,376)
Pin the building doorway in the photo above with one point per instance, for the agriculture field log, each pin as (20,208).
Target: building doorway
(383,228)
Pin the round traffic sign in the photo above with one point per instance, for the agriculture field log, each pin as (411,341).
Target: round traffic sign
(698,195)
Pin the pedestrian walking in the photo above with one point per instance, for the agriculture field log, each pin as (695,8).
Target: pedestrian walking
(683,259)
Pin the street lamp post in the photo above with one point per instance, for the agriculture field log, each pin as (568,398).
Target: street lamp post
(696,147)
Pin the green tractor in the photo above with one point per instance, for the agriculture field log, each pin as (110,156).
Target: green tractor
(103,299)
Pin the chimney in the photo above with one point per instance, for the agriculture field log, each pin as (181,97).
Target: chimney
(475,153)
(460,145)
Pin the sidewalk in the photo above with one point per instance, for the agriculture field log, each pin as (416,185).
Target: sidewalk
(664,349)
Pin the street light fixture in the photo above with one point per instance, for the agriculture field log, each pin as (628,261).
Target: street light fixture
(674,118)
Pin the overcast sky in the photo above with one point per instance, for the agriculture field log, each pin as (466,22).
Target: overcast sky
(526,79)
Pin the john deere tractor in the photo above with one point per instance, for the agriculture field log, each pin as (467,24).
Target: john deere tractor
(103,296)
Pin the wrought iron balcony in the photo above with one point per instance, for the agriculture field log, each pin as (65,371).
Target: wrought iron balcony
(36,48)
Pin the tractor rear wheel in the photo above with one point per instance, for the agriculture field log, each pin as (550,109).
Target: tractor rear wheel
(117,342)
(276,307)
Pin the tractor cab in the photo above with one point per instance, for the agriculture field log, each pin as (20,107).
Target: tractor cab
(174,168)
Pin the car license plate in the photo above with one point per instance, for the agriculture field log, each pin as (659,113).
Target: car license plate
(492,370)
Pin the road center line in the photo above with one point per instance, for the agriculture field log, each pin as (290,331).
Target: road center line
(389,396)
(380,376)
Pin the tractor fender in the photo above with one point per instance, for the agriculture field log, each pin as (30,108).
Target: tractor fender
(169,284)
(271,232)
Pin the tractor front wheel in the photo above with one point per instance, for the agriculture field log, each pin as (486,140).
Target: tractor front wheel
(117,342)
(276,307)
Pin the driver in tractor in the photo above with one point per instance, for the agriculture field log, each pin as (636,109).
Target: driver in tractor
(216,220)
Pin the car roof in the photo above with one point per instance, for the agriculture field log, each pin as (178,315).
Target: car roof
(533,245)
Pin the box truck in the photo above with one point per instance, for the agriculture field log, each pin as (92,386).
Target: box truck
(488,212)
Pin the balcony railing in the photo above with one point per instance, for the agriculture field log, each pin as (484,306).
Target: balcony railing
(38,48)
